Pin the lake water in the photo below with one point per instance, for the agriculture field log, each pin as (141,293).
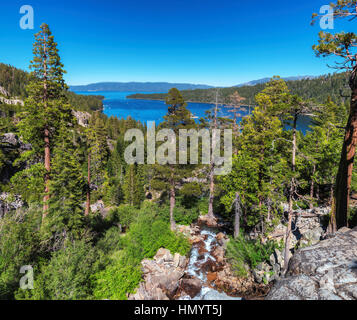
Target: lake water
(116,104)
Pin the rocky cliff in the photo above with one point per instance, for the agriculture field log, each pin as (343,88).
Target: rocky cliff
(324,271)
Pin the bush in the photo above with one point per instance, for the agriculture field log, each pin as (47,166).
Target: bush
(146,236)
(117,280)
(124,214)
(67,276)
(18,246)
(185,216)
(112,241)
(242,252)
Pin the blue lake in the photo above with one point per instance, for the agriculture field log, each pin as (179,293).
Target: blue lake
(116,104)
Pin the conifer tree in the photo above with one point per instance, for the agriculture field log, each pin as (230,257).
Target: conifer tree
(46,107)
(67,186)
(258,171)
(344,46)
(167,176)
(133,186)
(97,155)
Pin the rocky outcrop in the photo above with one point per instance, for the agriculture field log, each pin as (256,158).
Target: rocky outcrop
(6,99)
(10,141)
(82,117)
(162,277)
(11,101)
(324,271)
(9,202)
(11,146)
(309,226)
(208,221)
(267,272)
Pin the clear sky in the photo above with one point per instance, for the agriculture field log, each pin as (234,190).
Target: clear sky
(222,42)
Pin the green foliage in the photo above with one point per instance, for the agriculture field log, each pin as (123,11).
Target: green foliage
(147,234)
(19,246)
(29,183)
(66,189)
(242,252)
(133,185)
(67,276)
(259,169)
(124,214)
(117,280)
(186,216)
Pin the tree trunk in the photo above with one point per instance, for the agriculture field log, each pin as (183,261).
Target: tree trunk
(344,174)
(172,207)
(47,173)
(212,164)
(172,202)
(237,217)
(312,188)
(291,195)
(87,211)
(211,192)
(46,137)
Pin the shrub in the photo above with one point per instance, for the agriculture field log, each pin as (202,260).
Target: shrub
(18,246)
(147,234)
(242,252)
(124,214)
(67,276)
(185,216)
(117,280)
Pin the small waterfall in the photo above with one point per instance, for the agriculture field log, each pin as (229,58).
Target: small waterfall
(196,268)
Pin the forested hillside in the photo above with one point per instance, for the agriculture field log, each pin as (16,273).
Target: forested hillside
(15,81)
(334,86)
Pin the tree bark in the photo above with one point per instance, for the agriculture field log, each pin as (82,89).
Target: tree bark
(212,164)
(291,195)
(312,188)
(172,207)
(344,174)
(172,202)
(47,173)
(87,211)
(237,217)
(211,192)
(46,136)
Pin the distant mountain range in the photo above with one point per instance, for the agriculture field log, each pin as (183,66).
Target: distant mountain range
(265,80)
(162,87)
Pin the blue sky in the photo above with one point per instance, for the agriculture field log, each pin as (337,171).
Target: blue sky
(221,43)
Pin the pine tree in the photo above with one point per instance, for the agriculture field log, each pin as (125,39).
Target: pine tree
(67,188)
(97,155)
(344,46)
(46,107)
(258,172)
(133,186)
(167,176)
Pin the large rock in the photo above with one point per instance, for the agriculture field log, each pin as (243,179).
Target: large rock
(325,271)
(83,118)
(161,276)
(191,286)
(309,227)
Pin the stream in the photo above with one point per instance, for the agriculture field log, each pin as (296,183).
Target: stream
(196,267)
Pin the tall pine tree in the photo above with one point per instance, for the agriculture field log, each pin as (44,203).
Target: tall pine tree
(46,107)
